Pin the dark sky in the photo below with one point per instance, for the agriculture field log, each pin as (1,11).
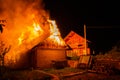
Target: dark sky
(101,18)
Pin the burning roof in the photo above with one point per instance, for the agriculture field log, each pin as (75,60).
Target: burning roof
(27,24)
(54,40)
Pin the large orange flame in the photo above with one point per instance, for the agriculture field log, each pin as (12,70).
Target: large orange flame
(25,40)
(27,25)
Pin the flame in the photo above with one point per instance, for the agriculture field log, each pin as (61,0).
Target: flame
(33,31)
(27,25)
(55,35)
(27,39)
(20,39)
(37,27)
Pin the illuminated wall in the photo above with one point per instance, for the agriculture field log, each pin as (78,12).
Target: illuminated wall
(43,57)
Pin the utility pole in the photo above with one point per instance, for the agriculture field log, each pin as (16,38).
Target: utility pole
(85,42)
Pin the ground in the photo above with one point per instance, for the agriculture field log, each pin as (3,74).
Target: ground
(57,74)
(80,74)
(92,76)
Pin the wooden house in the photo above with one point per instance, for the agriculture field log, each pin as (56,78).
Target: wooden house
(34,47)
(77,44)
(76,47)
(46,53)
(51,50)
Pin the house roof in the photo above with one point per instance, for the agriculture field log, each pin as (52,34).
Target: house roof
(74,40)
(72,33)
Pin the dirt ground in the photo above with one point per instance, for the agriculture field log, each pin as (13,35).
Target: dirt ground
(62,74)
(92,76)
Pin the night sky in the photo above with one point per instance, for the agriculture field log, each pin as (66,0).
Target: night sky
(102,20)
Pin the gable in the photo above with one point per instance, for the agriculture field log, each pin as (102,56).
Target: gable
(74,40)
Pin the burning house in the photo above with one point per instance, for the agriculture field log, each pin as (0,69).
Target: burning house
(27,25)
(50,50)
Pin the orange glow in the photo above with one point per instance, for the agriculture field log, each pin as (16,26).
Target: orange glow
(27,25)
(55,35)
(37,27)
(77,43)
(27,38)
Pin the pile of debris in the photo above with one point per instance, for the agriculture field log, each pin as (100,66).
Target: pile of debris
(108,62)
